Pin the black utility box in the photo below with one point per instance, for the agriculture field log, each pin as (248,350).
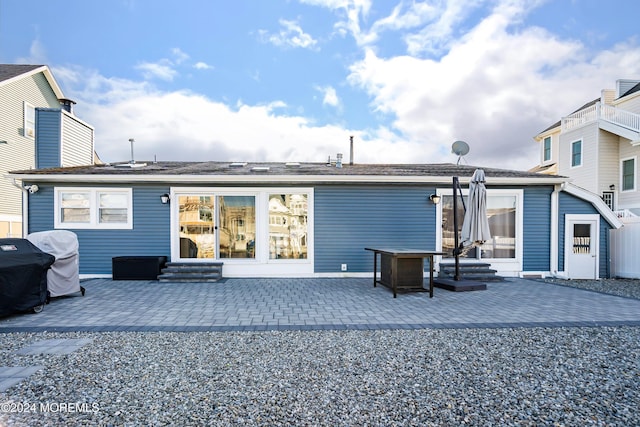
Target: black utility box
(137,267)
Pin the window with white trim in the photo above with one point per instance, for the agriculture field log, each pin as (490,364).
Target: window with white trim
(505,215)
(546,147)
(93,208)
(607,198)
(576,153)
(29,120)
(628,174)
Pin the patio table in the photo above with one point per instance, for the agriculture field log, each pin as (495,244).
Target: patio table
(402,270)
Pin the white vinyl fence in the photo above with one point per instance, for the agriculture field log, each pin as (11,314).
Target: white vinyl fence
(625,250)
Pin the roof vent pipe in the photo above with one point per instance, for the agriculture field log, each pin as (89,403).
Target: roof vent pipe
(339,160)
(351,150)
(131,140)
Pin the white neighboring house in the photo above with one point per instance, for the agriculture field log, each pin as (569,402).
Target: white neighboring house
(26,93)
(598,147)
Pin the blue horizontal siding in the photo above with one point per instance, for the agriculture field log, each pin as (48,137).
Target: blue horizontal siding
(151,233)
(536,230)
(348,219)
(569,204)
(48,125)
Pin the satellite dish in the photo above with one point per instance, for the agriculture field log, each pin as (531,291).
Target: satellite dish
(460,148)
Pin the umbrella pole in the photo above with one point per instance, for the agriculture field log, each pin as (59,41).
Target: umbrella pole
(456,251)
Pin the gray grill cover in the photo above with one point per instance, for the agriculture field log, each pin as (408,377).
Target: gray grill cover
(63,277)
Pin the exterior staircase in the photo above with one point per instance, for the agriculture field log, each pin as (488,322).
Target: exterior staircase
(191,272)
(478,271)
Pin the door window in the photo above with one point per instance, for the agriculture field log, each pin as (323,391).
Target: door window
(197,226)
(237,231)
(581,238)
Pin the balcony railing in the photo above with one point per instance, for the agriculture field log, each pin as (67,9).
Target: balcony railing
(605,112)
(625,213)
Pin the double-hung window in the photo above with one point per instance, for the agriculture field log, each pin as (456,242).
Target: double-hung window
(29,120)
(576,153)
(93,208)
(628,178)
(546,156)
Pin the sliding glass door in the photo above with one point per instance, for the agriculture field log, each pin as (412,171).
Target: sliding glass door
(216,226)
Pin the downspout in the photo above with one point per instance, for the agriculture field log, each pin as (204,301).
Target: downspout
(555,214)
(25,208)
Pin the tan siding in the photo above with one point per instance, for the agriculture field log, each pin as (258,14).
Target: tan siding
(609,161)
(629,199)
(75,150)
(583,176)
(19,151)
(631,103)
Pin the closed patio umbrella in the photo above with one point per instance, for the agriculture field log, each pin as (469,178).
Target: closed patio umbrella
(475,226)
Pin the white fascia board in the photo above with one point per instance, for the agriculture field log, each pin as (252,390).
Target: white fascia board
(549,132)
(596,201)
(47,74)
(267,179)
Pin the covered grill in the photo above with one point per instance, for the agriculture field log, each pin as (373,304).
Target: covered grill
(23,276)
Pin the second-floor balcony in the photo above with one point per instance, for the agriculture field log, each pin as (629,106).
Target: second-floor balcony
(598,111)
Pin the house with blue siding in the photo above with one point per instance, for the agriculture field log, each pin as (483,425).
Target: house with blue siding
(28,92)
(313,219)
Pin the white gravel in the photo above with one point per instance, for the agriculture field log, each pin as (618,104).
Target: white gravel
(478,377)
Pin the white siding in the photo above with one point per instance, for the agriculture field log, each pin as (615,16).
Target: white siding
(585,175)
(75,149)
(625,246)
(19,151)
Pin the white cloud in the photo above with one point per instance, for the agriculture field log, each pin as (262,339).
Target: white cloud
(37,54)
(203,66)
(162,69)
(494,88)
(330,97)
(187,126)
(290,35)
(178,55)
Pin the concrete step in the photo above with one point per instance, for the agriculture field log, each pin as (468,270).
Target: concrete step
(479,271)
(191,272)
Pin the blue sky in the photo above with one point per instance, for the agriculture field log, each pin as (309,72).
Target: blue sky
(291,80)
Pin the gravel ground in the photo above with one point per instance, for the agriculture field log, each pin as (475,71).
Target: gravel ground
(629,288)
(479,377)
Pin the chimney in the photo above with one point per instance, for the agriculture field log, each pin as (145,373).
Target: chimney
(351,150)
(339,160)
(67,105)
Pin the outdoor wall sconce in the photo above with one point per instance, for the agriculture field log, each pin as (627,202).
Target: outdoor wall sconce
(612,187)
(165,198)
(434,198)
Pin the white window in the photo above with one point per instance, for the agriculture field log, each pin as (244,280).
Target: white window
(628,174)
(546,147)
(576,154)
(93,208)
(29,120)
(607,198)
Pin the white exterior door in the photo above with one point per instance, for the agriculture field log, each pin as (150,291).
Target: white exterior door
(582,246)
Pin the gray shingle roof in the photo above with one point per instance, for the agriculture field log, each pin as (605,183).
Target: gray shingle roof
(272,169)
(8,71)
(634,89)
